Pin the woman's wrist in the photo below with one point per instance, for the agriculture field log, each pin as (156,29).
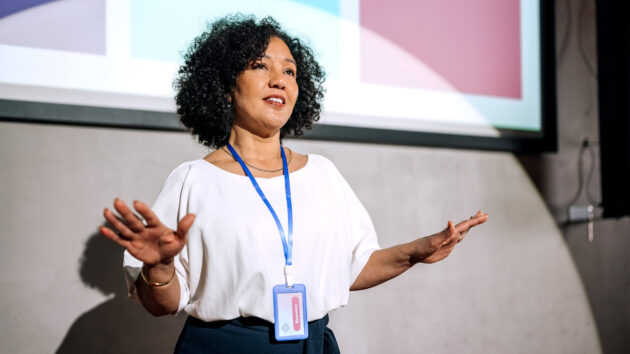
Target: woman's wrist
(417,250)
(158,274)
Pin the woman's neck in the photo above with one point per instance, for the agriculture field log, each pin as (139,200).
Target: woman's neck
(252,147)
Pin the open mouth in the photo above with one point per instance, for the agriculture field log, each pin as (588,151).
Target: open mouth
(275,101)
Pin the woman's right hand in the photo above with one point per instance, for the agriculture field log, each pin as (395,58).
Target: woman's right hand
(152,243)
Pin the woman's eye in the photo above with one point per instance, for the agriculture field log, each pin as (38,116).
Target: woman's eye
(290,72)
(259,66)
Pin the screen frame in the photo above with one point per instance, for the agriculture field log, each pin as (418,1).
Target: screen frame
(546,141)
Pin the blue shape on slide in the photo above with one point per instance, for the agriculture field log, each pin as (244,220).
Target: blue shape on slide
(9,7)
(162,30)
(330,6)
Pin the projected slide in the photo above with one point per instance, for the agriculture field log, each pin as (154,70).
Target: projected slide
(469,67)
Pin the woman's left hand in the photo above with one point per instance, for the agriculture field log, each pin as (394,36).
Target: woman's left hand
(385,264)
(434,248)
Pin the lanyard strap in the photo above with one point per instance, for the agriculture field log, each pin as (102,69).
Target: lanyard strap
(287,242)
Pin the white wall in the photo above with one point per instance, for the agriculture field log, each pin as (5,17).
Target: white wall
(511,286)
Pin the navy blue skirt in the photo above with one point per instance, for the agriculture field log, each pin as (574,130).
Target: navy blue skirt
(251,335)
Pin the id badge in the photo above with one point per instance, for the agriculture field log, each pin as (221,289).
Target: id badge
(289,312)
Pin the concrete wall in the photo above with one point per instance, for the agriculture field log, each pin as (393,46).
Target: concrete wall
(604,265)
(512,286)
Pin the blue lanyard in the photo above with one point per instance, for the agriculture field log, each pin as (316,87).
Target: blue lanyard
(287,242)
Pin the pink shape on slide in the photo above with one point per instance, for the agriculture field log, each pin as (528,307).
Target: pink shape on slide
(401,67)
(470,46)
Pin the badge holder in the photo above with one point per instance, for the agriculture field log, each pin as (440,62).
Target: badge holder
(289,311)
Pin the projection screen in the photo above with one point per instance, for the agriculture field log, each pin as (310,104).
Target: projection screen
(458,73)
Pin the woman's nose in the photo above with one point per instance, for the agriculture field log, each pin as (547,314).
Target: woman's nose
(276,80)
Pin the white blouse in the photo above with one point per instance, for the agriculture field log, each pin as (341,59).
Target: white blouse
(234,255)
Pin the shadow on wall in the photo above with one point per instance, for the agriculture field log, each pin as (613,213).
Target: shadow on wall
(118,325)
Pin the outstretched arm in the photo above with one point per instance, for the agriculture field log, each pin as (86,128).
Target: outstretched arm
(389,263)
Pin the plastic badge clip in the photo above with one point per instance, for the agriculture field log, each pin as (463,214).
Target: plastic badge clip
(288,275)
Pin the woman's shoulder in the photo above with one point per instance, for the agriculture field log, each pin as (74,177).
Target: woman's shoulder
(323,169)
(321,163)
(184,168)
(186,171)
(319,160)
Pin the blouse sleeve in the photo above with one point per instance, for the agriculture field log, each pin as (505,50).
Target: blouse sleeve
(363,239)
(170,207)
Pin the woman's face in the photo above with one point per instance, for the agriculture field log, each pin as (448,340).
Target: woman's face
(266,91)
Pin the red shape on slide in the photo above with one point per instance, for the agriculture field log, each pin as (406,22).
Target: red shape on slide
(473,45)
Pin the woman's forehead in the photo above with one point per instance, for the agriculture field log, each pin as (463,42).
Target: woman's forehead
(277,49)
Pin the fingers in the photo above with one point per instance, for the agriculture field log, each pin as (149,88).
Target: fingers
(117,224)
(478,219)
(130,218)
(113,236)
(449,234)
(184,224)
(463,227)
(452,234)
(148,214)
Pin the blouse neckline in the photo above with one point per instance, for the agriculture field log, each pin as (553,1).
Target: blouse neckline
(231,174)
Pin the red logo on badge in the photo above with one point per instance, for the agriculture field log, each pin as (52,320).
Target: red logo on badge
(295,302)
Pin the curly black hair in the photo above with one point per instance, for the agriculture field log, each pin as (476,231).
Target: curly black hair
(214,61)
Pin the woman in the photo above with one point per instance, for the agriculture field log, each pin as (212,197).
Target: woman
(209,245)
